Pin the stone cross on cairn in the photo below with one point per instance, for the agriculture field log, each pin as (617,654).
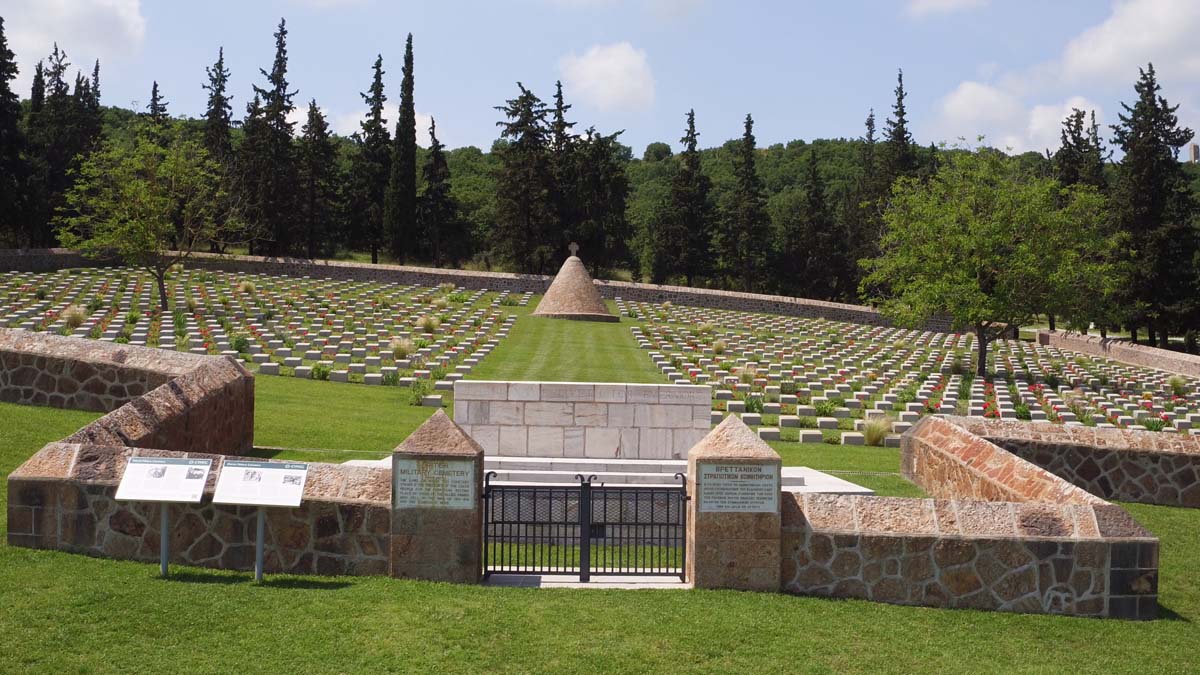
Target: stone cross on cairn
(574,248)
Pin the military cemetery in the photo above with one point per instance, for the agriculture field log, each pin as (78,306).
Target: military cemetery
(424,372)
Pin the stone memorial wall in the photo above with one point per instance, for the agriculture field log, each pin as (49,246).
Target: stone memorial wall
(1123,350)
(571,419)
(62,498)
(1120,464)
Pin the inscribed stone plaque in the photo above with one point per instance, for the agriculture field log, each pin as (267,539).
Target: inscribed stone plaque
(738,488)
(163,479)
(261,483)
(432,483)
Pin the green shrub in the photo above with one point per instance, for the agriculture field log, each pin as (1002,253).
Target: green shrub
(510,301)
(74,316)
(458,298)
(391,379)
(95,305)
(754,404)
(420,388)
(719,347)
(1022,411)
(824,408)
(807,422)
(320,371)
(240,343)
(1154,423)
(831,437)
(133,317)
(428,324)
(40,294)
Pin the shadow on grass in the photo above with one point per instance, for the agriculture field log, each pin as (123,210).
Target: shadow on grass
(1168,614)
(268,581)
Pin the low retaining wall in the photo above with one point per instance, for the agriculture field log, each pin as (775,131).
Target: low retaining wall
(62,498)
(1124,351)
(573,419)
(48,260)
(1082,560)
(1121,464)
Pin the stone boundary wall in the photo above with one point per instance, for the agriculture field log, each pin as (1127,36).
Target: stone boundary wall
(62,372)
(157,399)
(1081,560)
(577,419)
(48,260)
(1124,351)
(62,498)
(949,462)
(1119,464)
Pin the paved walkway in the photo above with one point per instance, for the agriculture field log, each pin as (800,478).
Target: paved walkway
(597,581)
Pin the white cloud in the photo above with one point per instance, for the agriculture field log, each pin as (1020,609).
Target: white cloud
(86,29)
(1137,32)
(610,77)
(1024,109)
(923,7)
(350,122)
(1000,115)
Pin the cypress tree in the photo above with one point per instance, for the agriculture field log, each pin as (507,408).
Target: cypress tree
(688,223)
(441,228)
(1156,211)
(156,111)
(400,209)
(563,171)
(251,164)
(54,140)
(525,215)
(743,239)
(317,170)
(218,120)
(13,170)
(278,180)
(370,168)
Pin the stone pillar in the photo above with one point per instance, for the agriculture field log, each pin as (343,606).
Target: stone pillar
(733,537)
(437,511)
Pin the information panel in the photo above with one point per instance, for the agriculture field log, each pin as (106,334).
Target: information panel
(163,479)
(258,483)
(433,483)
(738,488)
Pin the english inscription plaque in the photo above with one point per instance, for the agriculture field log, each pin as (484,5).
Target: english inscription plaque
(433,484)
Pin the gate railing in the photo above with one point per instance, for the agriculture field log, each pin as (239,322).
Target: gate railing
(584,529)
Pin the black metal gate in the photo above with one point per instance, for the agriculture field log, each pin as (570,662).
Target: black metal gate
(584,529)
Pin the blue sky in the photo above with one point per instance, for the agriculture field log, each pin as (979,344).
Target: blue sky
(1010,69)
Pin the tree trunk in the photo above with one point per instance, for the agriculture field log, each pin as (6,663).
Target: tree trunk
(982,344)
(1133,334)
(374,254)
(1164,339)
(1051,318)
(160,276)
(1151,335)
(1103,332)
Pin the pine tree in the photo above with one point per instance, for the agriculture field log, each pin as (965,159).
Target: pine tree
(563,171)
(317,169)
(899,155)
(601,189)
(861,213)
(371,167)
(1156,211)
(743,241)
(55,141)
(400,207)
(525,216)
(442,230)
(276,180)
(218,119)
(252,163)
(13,169)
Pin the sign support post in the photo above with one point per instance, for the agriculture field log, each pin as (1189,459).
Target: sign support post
(258,545)
(164,544)
(262,484)
(165,480)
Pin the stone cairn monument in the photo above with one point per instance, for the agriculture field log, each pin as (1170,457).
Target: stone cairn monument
(572,295)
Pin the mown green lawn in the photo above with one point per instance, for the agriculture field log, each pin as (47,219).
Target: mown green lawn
(557,350)
(70,613)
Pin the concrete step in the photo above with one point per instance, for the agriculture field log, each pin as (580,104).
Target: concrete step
(611,478)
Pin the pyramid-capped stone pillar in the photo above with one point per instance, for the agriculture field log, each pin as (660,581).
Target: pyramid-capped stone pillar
(733,537)
(572,295)
(437,512)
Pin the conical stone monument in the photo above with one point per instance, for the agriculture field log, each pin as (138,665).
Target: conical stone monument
(572,294)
